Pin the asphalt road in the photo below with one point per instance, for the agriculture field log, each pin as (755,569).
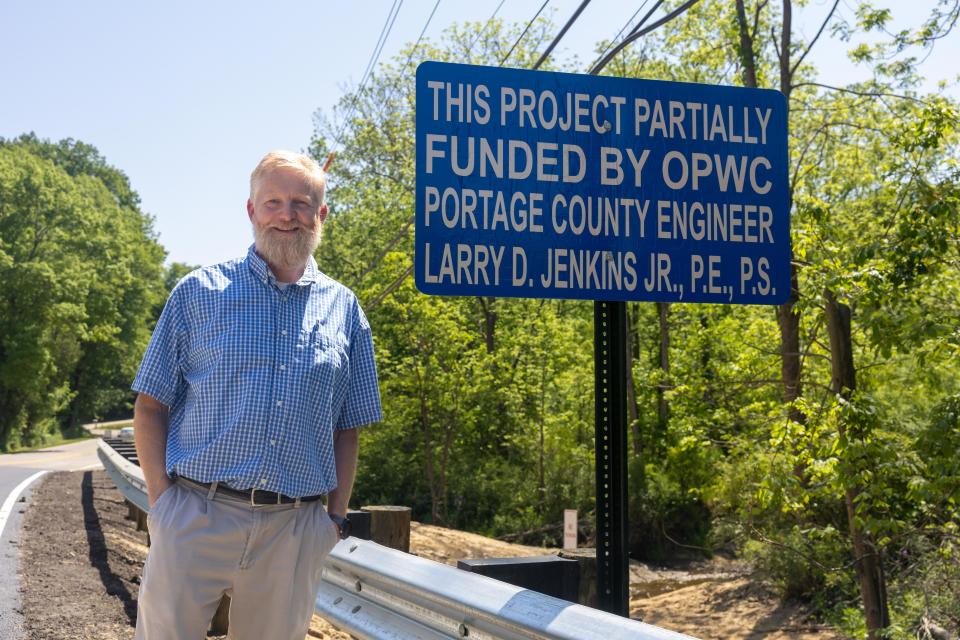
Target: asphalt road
(14,469)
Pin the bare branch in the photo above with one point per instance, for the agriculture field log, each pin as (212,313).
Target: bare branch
(646,17)
(826,21)
(871,94)
(376,261)
(390,289)
(756,18)
(636,35)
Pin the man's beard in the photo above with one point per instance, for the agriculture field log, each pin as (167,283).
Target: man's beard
(286,250)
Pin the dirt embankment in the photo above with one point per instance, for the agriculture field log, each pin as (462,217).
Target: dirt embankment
(81,564)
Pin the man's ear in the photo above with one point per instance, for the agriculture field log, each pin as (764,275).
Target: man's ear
(250,209)
(323,213)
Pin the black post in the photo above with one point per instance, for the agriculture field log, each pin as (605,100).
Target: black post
(610,374)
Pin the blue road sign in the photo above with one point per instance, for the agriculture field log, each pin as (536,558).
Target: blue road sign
(557,185)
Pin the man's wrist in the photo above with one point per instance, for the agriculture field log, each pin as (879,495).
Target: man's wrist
(342,523)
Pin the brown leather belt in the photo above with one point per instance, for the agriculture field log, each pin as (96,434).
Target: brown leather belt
(256,497)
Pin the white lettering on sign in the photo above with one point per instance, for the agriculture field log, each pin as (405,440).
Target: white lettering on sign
(553,185)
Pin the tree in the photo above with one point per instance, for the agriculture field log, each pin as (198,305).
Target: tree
(81,273)
(835,133)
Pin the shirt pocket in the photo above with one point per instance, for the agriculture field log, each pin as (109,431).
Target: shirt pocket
(326,360)
(206,351)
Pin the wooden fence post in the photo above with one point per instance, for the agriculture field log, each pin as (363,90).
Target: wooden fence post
(390,526)
(221,618)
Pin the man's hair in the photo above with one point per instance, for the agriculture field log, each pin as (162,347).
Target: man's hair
(302,164)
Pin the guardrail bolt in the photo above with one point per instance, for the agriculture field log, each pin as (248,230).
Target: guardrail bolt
(358,586)
(355,609)
(353,548)
(338,600)
(463,630)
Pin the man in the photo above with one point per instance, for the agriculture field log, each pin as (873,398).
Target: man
(251,390)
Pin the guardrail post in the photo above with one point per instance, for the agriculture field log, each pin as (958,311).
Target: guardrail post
(390,526)
(141,521)
(221,619)
(587,560)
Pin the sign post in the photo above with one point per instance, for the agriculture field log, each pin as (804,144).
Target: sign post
(537,184)
(569,529)
(610,456)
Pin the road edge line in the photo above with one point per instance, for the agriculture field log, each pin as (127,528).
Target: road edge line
(11,500)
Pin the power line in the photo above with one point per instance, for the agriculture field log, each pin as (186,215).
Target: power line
(384,32)
(622,29)
(635,34)
(423,31)
(525,29)
(485,26)
(573,18)
(371,64)
(645,18)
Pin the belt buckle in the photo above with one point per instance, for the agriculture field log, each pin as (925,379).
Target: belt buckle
(253,503)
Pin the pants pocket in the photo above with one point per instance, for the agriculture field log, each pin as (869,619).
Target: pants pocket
(161,503)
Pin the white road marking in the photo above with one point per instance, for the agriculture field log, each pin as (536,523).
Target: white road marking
(13,497)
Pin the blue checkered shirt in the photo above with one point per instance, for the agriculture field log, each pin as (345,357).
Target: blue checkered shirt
(257,378)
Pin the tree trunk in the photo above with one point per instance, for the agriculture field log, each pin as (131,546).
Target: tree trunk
(633,411)
(542,484)
(747,59)
(663,406)
(444,465)
(427,449)
(789,322)
(843,382)
(489,322)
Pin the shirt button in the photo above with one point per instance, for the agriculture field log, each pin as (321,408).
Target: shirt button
(263,481)
(279,402)
(273,443)
(283,332)
(284,298)
(283,367)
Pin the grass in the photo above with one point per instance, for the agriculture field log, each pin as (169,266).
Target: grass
(115,425)
(55,441)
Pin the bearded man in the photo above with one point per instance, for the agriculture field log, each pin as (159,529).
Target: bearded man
(250,393)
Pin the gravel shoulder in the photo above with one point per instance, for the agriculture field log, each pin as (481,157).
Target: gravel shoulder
(81,561)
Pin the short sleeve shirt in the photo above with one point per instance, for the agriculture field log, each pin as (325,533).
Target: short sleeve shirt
(257,378)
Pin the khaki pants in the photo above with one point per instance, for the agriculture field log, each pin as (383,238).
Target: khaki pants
(268,559)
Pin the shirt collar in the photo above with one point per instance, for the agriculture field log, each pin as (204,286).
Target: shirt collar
(261,269)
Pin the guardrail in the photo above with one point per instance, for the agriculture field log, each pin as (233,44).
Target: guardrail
(377,593)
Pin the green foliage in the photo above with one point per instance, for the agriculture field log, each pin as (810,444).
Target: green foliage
(79,277)
(804,563)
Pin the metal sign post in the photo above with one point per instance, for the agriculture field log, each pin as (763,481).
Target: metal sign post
(610,367)
(534,184)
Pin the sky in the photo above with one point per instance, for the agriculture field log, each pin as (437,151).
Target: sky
(186,97)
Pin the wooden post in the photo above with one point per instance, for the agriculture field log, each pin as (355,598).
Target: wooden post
(221,619)
(131,510)
(141,520)
(390,526)
(587,559)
